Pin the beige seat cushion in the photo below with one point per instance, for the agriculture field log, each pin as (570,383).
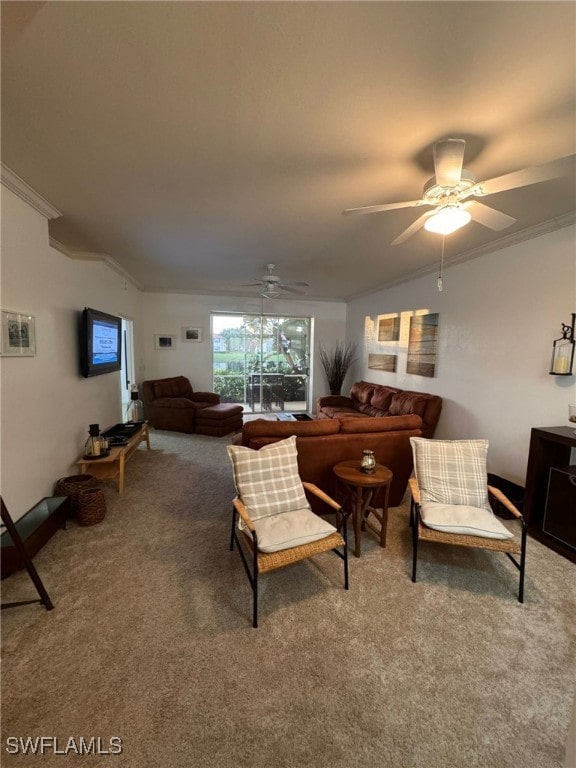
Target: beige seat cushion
(291,529)
(462,519)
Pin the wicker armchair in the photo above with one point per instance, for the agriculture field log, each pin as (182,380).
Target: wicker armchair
(448,518)
(273,524)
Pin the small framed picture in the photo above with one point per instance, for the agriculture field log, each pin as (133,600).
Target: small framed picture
(192,333)
(164,341)
(18,337)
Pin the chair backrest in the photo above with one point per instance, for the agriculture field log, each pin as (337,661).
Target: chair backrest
(173,386)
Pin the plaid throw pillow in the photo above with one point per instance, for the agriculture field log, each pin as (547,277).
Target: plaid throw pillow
(451,471)
(267,480)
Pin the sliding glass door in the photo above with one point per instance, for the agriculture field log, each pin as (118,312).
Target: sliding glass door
(262,361)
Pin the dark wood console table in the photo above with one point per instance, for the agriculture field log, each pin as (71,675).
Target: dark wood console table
(550,448)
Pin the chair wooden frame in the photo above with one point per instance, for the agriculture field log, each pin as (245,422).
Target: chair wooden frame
(510,547)
(262,562)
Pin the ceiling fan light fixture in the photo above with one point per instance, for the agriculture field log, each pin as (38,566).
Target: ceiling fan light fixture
(448,219)
(270,292)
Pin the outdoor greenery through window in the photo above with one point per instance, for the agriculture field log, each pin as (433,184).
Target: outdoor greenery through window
(262,361)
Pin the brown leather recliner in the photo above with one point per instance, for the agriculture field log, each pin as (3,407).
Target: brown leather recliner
(172,404)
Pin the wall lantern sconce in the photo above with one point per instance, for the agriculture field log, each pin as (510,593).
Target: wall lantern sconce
(563,351)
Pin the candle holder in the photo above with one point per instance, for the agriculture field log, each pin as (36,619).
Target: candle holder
(96,446)
(368,463)
(563,351)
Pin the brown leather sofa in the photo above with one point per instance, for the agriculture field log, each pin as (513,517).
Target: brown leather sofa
(323,443)
(172,404)
(378,400)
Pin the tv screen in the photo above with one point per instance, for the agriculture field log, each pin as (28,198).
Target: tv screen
(100,343)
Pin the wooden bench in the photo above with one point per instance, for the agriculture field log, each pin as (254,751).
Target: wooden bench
(112,466)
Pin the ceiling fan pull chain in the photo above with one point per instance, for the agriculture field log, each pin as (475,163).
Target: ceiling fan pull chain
(440,280)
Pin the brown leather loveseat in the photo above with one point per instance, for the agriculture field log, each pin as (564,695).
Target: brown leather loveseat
(378,400)
(323,443)
(172,404)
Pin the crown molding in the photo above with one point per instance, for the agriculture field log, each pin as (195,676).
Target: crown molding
(544,228)
(24,191)
(92,256)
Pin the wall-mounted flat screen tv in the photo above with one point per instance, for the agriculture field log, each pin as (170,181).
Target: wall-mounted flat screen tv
(100,343)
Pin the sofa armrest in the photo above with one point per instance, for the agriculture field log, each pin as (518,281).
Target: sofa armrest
(205,397)
(337,400)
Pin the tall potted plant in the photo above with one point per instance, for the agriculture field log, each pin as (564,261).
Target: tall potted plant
(336,363)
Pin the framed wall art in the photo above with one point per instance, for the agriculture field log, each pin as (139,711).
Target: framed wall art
(18,337)
(388,328)
(382,362)
(164,341)
(192,333)
(422,345)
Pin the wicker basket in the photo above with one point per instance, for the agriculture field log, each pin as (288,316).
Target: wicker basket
(72,486)
(91,506)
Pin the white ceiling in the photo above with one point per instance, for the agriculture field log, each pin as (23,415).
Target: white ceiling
(195,142)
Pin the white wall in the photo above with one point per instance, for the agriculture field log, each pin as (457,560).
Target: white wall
(169,313)
(46,405)
(499,314)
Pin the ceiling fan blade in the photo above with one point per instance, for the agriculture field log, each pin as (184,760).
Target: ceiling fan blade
(299,282)
(385,207)
(448,159)
(289,288)
(250,285)
(562,166)
(487,216)
(413,228)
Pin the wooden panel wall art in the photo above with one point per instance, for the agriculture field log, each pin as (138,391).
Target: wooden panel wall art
(382,362)
(389,328)
(422,344)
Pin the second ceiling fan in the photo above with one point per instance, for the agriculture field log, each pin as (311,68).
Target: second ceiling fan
(450,190)
(272,285)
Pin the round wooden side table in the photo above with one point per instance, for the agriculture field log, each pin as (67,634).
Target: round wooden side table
(360,488)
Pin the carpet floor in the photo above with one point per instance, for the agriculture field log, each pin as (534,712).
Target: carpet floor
(151,642)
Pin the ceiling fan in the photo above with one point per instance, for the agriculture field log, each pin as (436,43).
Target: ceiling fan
(450,189)
(272,285)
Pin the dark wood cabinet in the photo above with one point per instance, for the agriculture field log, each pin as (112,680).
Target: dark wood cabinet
(545,502)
